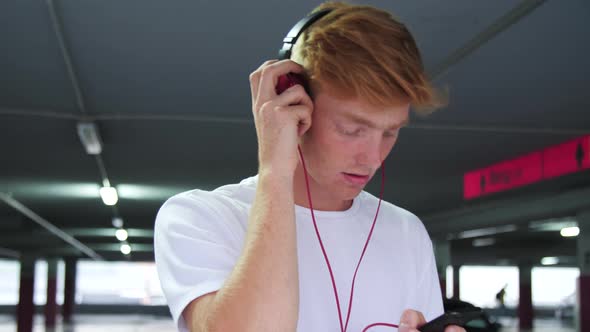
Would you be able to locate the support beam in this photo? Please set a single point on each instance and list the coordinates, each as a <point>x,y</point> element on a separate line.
<point>244,120</point>
<point>9,253</point>
<point>582,315</point>
<point>69,290</point>
<point>25,308</point>
<point>51,303</point>
<point>523,9</point>
<point>49,226</point>
<point>525,299</point>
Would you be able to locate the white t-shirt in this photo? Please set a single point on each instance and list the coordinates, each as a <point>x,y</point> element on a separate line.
<point>199,236</point>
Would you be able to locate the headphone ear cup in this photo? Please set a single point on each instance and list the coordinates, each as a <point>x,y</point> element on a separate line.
<point>289,80</point>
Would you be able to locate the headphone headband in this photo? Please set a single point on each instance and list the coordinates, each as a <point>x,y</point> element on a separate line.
<point>297,30</point>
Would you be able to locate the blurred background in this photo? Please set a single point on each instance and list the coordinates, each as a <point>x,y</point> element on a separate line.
<point>107,108</point>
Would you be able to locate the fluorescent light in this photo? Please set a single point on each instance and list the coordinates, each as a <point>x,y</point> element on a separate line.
<point>553,225</point>
<point>121,234</point>
<point>549,260</point>
<point>50,189</point>
<point>483,242</point>
<point>570,231</point>
<point>109,195</point>
<point>125,249</point>
<point>148,192</point>
<point>89,137</point>
<point>117,222</point>
<point>487,231</point>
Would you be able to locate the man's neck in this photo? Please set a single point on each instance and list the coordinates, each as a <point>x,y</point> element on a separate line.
<point>322,199</point>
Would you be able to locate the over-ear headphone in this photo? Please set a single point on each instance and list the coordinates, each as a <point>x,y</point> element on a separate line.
<point>297,30</point>
<point>289,41</point>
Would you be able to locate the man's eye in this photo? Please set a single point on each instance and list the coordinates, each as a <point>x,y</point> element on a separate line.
<point>390,133</point>
<point>354,132</point>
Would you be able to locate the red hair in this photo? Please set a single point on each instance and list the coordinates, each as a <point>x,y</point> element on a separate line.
<point>361,51</point>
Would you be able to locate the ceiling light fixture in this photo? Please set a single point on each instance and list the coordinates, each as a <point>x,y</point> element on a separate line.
<point>109,195</point>
<point>117,222</point>
<point>484,242</point>
<point>570,231</point>
<point>549,260</point>
<point>121,234</point>
<point>88,133</point>
<point>125,249</point>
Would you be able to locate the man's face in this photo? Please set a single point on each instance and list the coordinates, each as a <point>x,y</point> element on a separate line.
<point>348,140</point>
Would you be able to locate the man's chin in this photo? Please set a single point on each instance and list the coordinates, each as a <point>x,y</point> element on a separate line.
<point>351,192</point>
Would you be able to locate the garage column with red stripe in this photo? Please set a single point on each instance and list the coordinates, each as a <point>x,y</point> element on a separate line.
<point>69,290</point>
<point>51,304</point>
<point>582,315</point>
<point>456,282</point>
<point>25,308</point>
<point>525,299</point>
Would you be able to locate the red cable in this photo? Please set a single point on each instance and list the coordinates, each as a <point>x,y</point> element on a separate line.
<point>320,239</point>
<point>365,248</point>
<point>345,327</point>
<point>377,324</point>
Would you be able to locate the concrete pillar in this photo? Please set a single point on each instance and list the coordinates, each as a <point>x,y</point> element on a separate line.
<point>456,282</point>
<point>51,304</point>
<point>26,307</point>
<point>582,315</point>
<point>69,290</point>
<point>442,252</point>
<point>525,299</point>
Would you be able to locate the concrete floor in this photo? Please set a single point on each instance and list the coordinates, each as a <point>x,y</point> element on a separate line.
<point>99,323</point>
<point>541,325</point>
<point>142,323</point>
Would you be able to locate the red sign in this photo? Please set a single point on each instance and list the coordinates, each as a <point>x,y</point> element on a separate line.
<point>554,161</point>
<point>565,158</point>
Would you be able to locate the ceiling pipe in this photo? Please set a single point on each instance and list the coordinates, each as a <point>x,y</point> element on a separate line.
<point>49,226</point>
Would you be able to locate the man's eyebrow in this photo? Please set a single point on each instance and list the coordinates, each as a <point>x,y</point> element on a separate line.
<point>360,120</point>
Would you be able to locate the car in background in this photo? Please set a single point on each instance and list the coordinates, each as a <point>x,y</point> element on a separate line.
<point>565,309</point>
<point>481,324</point>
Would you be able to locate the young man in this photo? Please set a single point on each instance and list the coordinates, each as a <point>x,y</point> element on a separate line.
<point>246,257</point>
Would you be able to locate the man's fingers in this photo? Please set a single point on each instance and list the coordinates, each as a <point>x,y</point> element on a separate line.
<point>405,328</point>
<point>255,78</point>
<point>269,77</point>
<point>454,328</point>
<point>303,116</point>
<point>295,95</point>
<point>410,320</point>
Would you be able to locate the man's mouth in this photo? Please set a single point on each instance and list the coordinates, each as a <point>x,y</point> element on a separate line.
<point>356,179</point>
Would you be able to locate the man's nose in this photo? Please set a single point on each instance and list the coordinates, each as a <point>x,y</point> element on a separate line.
<point>371,154</point>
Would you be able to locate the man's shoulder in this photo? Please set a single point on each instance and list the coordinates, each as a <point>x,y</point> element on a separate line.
<point>196,203</point>
<point>243,191</point>
<point>388,209</point>
<point>236,191</point>
<point>395,215</point>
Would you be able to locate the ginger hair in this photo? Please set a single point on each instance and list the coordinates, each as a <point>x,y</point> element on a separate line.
<point>364,52</point>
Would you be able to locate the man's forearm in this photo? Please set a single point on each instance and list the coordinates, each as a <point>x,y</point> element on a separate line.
<point>262,292</point>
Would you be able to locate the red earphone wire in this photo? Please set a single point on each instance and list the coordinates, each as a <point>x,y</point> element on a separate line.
<point>379,324</point>
<point>366,245</point>
<point>344,327</point>
<point>320,240</point>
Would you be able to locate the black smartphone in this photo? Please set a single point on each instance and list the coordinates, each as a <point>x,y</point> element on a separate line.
<point>459,318</point>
